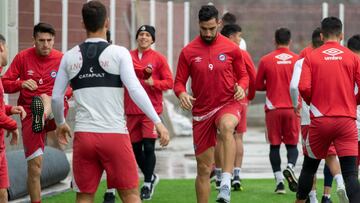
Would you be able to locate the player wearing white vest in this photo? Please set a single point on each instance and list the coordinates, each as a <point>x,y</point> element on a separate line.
<point>98,73</point>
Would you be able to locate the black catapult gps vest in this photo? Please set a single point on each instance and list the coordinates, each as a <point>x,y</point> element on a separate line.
<point>91,73</point>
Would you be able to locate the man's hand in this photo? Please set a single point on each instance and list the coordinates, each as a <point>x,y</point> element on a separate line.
<point>62,132</point>
<point>14,136</point>
<point>29,84</point>
<point>186,101</point>
<point>149,81</point>
<point>163,134</point>
<point>18,110</point>
<point>239,92</point>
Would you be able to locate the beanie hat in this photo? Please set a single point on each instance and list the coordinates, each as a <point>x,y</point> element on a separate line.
<point>148,28</point>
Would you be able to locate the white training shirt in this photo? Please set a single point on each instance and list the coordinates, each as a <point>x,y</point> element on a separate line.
<point>100,109</point>
<point>294,93</point>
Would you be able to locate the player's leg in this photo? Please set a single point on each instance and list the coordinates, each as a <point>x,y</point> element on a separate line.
<point>346,147</point>
<point>291,130</point>
<point>4,178</point>
<point>328,178</point>
<point>236,182</point>
<point>273,126</point>
<point>218,162</point>
<point>204,163</point>
<point>33,178</point>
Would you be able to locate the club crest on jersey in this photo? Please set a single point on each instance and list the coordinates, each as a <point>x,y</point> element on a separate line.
<point>222,57</point>
<point>284,58</point>
<point>53,74</point>
<point>332,54</point>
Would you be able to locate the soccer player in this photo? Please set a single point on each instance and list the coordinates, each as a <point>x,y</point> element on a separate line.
<point>228,19</point>
<point>331,160</point>
<point>8,124</point>
<point>98,73</point>
<point>233,32</point>
<point>219,78</point>
<point>354,45</point>
<point>282,123</point>
<point>154,74</point>
<point>333,113</point>
<point>33,72</point>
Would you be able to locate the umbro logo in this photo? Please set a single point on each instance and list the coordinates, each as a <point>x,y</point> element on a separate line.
<point>284,58</point>
<point>30,72</point>
<point>198,59</point>
<point>332,54</point>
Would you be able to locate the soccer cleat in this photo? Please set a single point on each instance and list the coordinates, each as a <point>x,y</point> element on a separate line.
<point>280,188</point>
<point>154,182</point>
<point>37,110</point>
<point>236,183</point>
<point>217,183</point>
<point>109,197</point>
<point>291,179</point>
<point>341,193</point>
<point>224,194</point>
<point>145,193</point>
<point>325,199</point>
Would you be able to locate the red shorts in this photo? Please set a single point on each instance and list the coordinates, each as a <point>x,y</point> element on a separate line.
<point>4,176</point>
<point>34,143</point>
<point>241,128</point>
<point>205,127</point>
<point>326,130</point>
<point>305,134</point>
<point>95,152</point>
<point>283,126</point>
<point>140,126</point>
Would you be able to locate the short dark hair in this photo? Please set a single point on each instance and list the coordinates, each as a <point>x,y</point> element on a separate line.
<point>94,15</point>
<point>208,12</point>
<point>316,39</point>
<point>228,18</point>
<point>230,29</point>
<point>354,43</point>
<point>2,39</point>
<point>331,26</point>
<point>282,36</point>
<point>44,28</point>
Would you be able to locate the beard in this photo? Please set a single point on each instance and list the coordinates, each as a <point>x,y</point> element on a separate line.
<point>207,40</point>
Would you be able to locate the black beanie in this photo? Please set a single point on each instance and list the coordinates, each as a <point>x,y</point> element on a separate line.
<point>148,28</point>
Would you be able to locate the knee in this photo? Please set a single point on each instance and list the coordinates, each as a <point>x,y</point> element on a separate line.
<point>227,127</point>
<point>203,170</point>
<point>129,196</point>
<point>34,170</point>
<point>3,195</point>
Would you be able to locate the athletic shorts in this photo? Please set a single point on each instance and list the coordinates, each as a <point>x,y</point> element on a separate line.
<point>139,127</point>
<point>283,126</point>
<point>4,176</point>
<point>305,133</point>
<point>326,130</point>
<point>205,127</point>
<point>95,152</point>
<point>241,128</point>
<point>34,143</point>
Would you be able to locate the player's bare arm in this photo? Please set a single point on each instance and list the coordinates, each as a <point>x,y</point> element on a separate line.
<point>63,132</point>
<point>239,92</point>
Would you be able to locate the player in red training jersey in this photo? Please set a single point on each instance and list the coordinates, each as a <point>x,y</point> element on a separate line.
<point>32,73</point>
<point>282,123</point>
<point>332,113</point>
<point>219,78</point>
